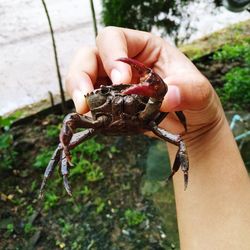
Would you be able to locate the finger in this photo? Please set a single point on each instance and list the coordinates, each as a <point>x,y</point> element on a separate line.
<point>82,76</point>
<point>114,43</point>
<point>192,92</point>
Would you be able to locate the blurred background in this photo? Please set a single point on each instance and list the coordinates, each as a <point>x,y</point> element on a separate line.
<point>118,202</point>
<point>27,67</point>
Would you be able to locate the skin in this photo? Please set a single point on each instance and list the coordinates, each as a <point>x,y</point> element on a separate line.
<point>213,213</point>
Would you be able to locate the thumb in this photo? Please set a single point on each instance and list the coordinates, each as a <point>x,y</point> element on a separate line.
<point>188,92</point>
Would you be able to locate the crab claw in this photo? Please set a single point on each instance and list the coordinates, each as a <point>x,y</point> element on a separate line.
<point>151,84</point>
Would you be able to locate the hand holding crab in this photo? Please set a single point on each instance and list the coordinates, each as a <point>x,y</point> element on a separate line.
<point>120,109</point>
<point>126,107</point>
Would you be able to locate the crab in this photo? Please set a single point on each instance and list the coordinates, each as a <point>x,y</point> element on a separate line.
<point>120,109</point>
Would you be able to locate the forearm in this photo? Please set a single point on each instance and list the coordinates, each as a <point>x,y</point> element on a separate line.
<point>213,213</point>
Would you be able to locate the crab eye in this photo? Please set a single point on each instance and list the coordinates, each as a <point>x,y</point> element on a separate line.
<point>105,90</point>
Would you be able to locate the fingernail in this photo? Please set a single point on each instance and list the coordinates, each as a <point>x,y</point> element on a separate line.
<point>173,97</point>
<point>116,76</point>
<point>79,101</point>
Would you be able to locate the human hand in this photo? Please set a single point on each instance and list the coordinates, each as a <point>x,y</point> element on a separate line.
<point>188,89</point>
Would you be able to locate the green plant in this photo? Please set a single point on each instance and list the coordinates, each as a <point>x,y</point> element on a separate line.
<point>30,210</point>
<point>94,173</point>
<point>33,185</point>
<point>66,227</point>
<point>10,228</point>
<point>100,205</point>
<point>6,122</point>
<point>85,157</point>
<point>134,217</point>
<point>79,167</point>
<point>167,16</point>
<point>233,52</point>
<point>7,152</point>
<point>114,150</point>
<point>42,159</point>
<point>53,131</point>
<point>85,191</point>
<point>235,93</point>
<point>91,149</point>
<point>28,228</point>
<point>50,200</point>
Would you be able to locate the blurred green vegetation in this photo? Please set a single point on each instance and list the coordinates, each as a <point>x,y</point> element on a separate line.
<point>167,16</point>
<point>235,92</point>
<point>134,217</point>
<point>7,151</point>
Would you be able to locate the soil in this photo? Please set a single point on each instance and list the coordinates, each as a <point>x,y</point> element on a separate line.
<point>86,221</point>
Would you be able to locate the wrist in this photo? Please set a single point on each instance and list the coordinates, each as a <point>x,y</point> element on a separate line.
<point>208,137</point>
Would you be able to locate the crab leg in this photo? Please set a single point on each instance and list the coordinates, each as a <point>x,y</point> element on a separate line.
<point>180,115</point>
<point>181,159</point>
<point>73,121</point>
<point>182,119</point>
<point>65,172</point>
<point>50,168</point>
<point>77,139</point>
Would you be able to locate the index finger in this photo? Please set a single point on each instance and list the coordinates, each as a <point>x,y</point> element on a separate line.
<point>114,43</point>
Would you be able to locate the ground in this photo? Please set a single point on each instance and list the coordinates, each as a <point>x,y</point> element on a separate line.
<point>120,199</point>
<point>112,205</point>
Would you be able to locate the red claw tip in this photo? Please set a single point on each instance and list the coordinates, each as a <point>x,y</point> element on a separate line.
<point>138,66</point>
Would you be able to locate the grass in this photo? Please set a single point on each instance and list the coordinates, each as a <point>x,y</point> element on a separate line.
<point>235,93</point>
<point>232,35</point>
<point>134,217</point>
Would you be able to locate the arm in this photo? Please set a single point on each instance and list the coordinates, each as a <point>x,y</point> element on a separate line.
<point>213,213</point>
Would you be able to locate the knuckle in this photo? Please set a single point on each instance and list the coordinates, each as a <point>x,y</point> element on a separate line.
<point>109,30</point>
<point>204,90</point>
<point>156,39</point>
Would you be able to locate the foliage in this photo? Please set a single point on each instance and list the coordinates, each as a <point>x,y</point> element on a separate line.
<point>5,122</point>
<point>134,217</point>
<point>88,219</point>
<point>235,93</point>
<point>53,131</point>
<point>100,205</point>
<point>42,159</point>
<point>233,52</point>
<point>85,158</point>
<point>7,152</point>
<point>94,173</point>
<point>10,228</point>
<point>50,200</point>
<point>233,34</point>
<point>142,15</point>
<point>28,228</point>
<point>168,16</point>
